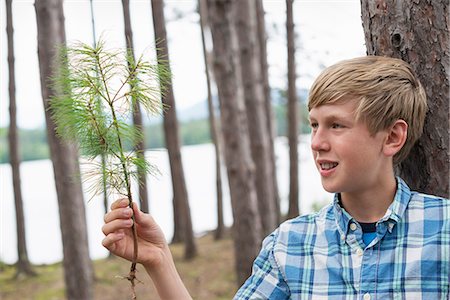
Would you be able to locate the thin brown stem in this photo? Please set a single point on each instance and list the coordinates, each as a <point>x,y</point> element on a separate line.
<point>132,274</point>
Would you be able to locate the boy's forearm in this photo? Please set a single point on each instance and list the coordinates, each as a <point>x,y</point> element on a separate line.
<point>167,280</point>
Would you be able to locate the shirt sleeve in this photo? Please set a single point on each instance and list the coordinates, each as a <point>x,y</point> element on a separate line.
<point>266,281</point>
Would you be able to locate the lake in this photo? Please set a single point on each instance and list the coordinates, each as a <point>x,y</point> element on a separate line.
<point>41,207</point>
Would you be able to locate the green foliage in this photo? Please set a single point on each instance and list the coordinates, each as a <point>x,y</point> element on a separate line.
<point>281,119</point>
<point>32,145</point>
<point>195,132</point>
<point>97,90</point>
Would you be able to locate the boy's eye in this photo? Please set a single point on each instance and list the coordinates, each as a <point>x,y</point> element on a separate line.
<point>314,125</point>
<point>336,126</point>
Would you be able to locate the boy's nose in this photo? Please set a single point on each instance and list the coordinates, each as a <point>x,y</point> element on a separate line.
<point>319,141</point>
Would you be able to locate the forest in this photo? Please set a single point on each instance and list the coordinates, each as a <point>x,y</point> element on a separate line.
<point>95,105</point>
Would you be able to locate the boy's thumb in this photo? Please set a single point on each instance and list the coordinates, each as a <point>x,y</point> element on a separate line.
<point>137,213</point>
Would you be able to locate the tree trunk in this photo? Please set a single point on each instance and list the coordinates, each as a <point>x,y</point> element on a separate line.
<point>292,115</point>
<point>203,12</point>
<point>180,195</point>
<point>246,27</point>
<point>418,33</point>
<point>23,264</point>
<point>78,271</point>
<point>262,40</point>
<point>137,114</point>
<point>240,167</point>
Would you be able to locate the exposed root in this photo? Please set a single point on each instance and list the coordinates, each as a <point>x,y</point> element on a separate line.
<point>132,274</point>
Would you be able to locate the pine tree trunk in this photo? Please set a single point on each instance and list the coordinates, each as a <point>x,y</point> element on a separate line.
<point>418,33</point>
<point>246,27</point>
<point>78,271</point>
<point>180,195</point>
<point>23,265</point>
<point>292,116</point>
<point>240,167</point>
<point>137,114</point>
<point>203,12</point>
<point>262,40</point>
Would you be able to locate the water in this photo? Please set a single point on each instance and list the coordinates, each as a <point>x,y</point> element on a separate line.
<point>41,208</point>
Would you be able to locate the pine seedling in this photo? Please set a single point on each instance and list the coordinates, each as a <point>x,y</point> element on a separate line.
<point>97,89</point>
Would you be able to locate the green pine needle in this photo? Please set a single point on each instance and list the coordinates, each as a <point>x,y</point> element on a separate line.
<point>97,90</point>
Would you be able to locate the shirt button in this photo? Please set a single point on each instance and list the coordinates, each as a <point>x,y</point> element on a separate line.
<point>360,252</point>
<point>366,296</point>
<point>353,226</point>
<point>343,237</point>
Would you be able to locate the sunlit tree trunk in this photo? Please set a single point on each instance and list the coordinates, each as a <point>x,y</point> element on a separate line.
<point>137,114</point>
<point>78,271</point>
<point>23,264</point>
<point>203,12</point>
<point>418,32</point>
<point>246,27</point>
<point>292,115</point>
<point>262,41</point>
<point>240,167</point>
<point>180,195</point>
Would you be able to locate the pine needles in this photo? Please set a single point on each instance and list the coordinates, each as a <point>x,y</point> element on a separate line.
<point>97,90</point>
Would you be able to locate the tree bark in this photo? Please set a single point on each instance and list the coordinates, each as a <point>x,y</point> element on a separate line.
<point>292,115</point>
<point>203,12</point>
<point>137,114</point>
<point>180,195</point>
<point>240,167</point>
<point>418,33</point>
<point>78,271</point>
<point>23,264</point>
<point>246,27</point>
<point>262,43</point>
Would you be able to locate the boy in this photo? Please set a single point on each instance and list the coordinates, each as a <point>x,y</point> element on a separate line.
<point>377,240</point>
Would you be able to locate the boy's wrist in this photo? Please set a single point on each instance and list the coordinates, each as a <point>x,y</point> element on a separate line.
<point>160,262</point>
<point>166,278</point>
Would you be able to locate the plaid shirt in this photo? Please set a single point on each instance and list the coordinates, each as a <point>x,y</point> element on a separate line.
<point>323,256</point>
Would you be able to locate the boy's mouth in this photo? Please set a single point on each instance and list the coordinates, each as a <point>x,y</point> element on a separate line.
<point>328,165</point>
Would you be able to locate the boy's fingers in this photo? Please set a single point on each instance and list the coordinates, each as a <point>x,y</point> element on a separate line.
<point>111,238</point>
<point>116,225</point>
<point>119,203</point>
<point>118,213</point>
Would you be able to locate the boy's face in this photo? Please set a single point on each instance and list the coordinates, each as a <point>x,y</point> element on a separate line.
<point>348,157</point>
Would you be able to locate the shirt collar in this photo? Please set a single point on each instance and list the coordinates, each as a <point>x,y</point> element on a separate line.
<point>393,214</point>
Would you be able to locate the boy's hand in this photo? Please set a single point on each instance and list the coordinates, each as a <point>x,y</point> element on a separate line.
<point>152,245</point>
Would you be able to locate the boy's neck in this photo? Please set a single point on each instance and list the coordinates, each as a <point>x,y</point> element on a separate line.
<point>370,205</point>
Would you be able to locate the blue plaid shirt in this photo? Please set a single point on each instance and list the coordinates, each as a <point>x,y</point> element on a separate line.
<point>323,256</point>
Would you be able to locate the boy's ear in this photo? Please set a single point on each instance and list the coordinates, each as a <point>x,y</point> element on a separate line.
<point>396,137</point>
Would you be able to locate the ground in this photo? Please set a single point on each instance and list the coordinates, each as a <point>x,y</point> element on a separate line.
<point>209,276</point>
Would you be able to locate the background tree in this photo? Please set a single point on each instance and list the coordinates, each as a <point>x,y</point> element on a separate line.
<point>23,264</point>
<point>246,28</point>
<point>418,32</point>
<point>182,215</point>
<point>137,114</point>
<point>240,167</point>
<point>292,114</point>
<point>214,131</point>
<point>78,271</point>
<point>262,44</point>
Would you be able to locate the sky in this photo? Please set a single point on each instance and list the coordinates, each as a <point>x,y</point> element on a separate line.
<point>327,31</point>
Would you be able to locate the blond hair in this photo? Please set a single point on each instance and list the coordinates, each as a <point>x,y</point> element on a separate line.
<point>387,90</point>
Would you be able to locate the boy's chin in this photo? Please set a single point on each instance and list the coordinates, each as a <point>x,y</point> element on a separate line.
<point>329,187</point>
